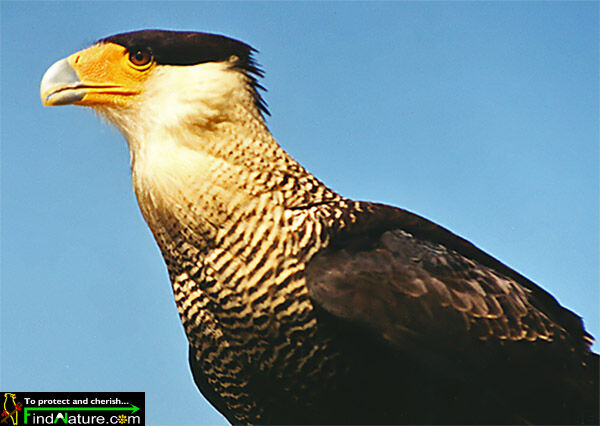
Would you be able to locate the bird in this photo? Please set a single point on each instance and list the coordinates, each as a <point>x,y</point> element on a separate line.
<point>11,409</point>
<point>302,306</point>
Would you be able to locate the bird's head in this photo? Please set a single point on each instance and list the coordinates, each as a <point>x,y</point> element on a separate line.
<point>188,104</point>
<point>142,77</point>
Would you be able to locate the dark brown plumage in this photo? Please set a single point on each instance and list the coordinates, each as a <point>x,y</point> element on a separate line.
<point>502,349</point>
<point>302,306</point>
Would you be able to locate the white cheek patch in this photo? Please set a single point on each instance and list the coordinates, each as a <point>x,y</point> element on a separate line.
<point>172,123</point>
<point>179,104</point>
<point>201,94</point>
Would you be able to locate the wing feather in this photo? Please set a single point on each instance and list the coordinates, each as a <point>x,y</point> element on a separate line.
<point>439,300</point>
<point>388,284</point>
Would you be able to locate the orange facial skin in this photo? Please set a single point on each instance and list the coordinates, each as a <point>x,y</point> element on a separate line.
<point>106,73</point>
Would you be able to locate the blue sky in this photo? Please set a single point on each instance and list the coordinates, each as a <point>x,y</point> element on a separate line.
<point>480,116</point>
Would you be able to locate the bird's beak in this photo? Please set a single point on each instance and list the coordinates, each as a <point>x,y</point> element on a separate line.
<point>61,85</point>
<point>98,75</point>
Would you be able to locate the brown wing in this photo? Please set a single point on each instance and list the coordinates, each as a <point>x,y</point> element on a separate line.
<point>429,293</point>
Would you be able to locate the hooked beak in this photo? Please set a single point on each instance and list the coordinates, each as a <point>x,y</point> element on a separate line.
<point>61,85</point>
<point>98,76</point>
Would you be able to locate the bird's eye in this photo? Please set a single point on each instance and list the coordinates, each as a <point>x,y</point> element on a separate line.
<point>140,57</point>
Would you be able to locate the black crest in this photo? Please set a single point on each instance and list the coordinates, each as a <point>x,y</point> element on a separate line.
<point>191,48</point>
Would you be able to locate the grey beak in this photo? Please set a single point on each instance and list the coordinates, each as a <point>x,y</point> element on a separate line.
<point>60,85</point>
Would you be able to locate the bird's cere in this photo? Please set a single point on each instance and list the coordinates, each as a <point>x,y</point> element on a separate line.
<point>301,306</point>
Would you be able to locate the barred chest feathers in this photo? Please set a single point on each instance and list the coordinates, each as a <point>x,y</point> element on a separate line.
<point>234,251</point>
<point>236,219</point>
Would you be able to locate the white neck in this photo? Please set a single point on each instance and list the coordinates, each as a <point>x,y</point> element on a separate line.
<point>203,153</point>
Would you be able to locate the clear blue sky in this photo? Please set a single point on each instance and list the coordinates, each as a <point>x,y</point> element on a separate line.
<point>480,116</point>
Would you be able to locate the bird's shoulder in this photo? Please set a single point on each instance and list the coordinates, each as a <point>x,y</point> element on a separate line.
<point>403,277</point>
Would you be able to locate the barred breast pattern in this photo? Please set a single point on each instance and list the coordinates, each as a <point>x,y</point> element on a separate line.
<point>245,307</point>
